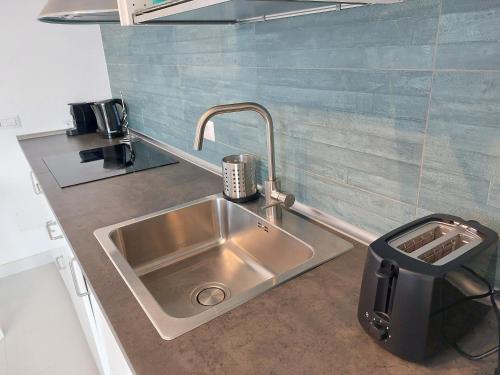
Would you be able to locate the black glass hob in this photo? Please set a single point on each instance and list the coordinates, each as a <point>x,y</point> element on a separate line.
<point>79,167</point>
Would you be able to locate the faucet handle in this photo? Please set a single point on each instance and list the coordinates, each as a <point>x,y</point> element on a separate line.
<point>286,199</point>
<point>280,198</point>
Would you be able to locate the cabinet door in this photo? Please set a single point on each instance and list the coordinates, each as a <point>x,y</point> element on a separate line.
<point>75,283</point>
<point>80,295</point>
<point>115,362</point>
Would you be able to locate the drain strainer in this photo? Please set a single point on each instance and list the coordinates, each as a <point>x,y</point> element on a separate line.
<point>211,296</point>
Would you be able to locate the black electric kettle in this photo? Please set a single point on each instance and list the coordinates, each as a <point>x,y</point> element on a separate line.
<point>109,115</point>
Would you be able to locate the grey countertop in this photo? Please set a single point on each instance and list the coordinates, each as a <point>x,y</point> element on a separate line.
<point>305,326</point>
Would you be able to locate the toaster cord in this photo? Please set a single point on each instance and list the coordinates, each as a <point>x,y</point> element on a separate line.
<point>497,313</point>
<point>460,301</point>
<point>491,294</point>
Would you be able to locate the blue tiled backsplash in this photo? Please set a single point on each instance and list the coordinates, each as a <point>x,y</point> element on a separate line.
<point>382,113</point>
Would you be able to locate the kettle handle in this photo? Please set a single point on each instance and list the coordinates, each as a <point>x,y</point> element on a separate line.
<point>98,116</point>
<point>123,107</point>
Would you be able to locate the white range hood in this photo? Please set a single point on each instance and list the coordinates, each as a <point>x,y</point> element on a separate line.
<point>80,11</point>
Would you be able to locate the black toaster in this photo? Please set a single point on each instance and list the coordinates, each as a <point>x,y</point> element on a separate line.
<point>418,280</point>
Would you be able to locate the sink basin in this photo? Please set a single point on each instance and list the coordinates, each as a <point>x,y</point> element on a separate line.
<point>191,263</point>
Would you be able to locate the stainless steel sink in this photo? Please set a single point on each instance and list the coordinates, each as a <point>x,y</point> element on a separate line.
<point>191,263</point>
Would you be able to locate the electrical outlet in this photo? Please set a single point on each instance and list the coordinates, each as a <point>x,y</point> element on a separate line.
<point>10,122</point>
<point>209,132</point>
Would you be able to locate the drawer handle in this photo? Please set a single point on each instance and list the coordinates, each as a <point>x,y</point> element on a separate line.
<point>60,263</point>
<point>49,225</point>
<point>34,183</point>
<point>75,281</point>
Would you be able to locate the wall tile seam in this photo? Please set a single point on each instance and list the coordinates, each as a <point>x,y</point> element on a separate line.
<point>263,67</point>
<point>141,116</point>
<point>378,70</point>
<point>322,91</point>
<point>429,103</point>
<point>490,191</point>
<point>258,49</point>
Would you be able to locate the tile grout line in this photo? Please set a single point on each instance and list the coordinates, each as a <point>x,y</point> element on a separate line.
<point>424,143</point>
<point>490,188</point>
<point>379,69</point>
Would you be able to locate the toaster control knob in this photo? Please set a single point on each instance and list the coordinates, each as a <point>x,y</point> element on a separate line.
<point>379,331</point>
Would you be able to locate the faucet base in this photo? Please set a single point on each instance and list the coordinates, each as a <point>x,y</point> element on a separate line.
<point>273,207</point>
<point>242,200</point>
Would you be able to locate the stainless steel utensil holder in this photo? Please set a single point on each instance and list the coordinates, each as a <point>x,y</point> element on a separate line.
<point>239,175</point>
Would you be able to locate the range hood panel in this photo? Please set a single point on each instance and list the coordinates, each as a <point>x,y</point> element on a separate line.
<point>230,11</point>
<point>234,11</point>
<point>80,11</point>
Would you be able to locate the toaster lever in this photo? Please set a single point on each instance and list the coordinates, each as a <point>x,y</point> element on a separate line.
<point>387,275</point>
<point>387,270</point>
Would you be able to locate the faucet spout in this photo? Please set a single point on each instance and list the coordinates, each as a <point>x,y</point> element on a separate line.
<point>240,107</point>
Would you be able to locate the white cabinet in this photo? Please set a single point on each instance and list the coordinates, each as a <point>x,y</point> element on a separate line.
<point>105,349</point>
<point>80,297</point>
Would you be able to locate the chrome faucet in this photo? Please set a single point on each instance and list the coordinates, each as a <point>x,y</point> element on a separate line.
<point>274,198</point>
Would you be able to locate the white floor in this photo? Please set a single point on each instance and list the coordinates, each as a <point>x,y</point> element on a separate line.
<point>42,332</point>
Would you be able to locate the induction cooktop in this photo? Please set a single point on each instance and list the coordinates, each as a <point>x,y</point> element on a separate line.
<point>74,168</point>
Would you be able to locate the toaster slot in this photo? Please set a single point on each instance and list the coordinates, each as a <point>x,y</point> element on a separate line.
<point>445,248</point>
<point>420,237</point>
<point>436,242</point>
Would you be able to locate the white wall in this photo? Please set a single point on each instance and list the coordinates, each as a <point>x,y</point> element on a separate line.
<point>42,68</point>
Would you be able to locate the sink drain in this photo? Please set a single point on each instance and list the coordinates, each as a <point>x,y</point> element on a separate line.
<point>211,296</point>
